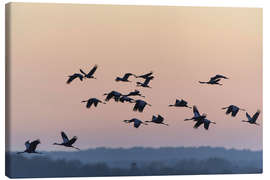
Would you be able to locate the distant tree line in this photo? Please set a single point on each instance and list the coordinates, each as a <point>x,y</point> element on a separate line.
<point>18,166</point>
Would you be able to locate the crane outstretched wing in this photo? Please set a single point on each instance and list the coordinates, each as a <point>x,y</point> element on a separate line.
<point>33,145</point>
<point>146,75</point>
<point>109,96</point>
<point>89,104</point>
<point>183,101</point>
<point>147,80</point>
<point>27,144</point>
<point>73,140</point>
<point>248,116</point>
<point>198,123</point>
<point>136,106</point>
<point>96,103</point>
<point>64,137</point>
<point>93,70</point>
<point>229,110</point>
<point>122,99</point>
<point>256,115</point>
<point>82,71</point>
<point>71,78</point>
<point>160,119</point>
<point>116,98</point>
<point>215,80</point>
<point>218,76</point>
<point>137,123</point>
<point>221,76</point>
<point>195,111</point>
<point>235,111</point>
<point>206,124</point>
<point>74,76</point>
<point>141,107</point>
<point>126,76</point>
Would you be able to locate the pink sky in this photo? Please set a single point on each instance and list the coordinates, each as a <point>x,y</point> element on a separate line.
<point>182,45</point>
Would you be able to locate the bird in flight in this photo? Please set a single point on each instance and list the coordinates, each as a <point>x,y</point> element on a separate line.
<point>145,76</point>
<point>74,76</point>
<point>136,122</point>
<point>219,76</point>
<point>113,94</point>
<point>126,99</point>
<point>91,73</point>
<point>140,105</point>
<point>233,110</point>
<point>125,77</point>
<point>197,116</point>
<point>179,103</point>
<point>253,119</point>
<point>31,147</point>
<point>205,122</point>
<point>91,101</point>
<point>146,82</point>
<point>135,93</point>
<point>158,120</point>
<point>214,80</point>
<point>66,141</point>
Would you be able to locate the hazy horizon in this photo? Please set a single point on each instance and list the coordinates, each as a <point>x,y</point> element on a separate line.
<point>181,45</point>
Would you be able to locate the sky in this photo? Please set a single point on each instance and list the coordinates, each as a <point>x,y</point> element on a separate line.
<point>181,45</point>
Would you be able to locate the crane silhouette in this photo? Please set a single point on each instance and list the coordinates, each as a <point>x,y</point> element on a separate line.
<point>66,141</point>
<point>214,80</point>
<point>179,103</point>
<point>253,119</point>
<point>219,76</point>
<point>74,76</point>
<point>205,122</point>
<point>91,101</point>
<point>158,120</point>
<point>145,76</point>
<point>135,93</point>
<point>140,105</point>
<point>126,99</point>
<point>136,122</point>
<point>146,82</point>
<point>125,77</point>
<point>31,147</point>
<point>91,73</point>
<point>113,94</point>
<point>233,110</point>
<point>197,116</point>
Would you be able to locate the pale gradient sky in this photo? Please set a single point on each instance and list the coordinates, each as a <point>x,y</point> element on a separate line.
<point>180,44</point>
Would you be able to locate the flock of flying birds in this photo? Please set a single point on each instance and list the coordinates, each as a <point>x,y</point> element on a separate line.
<point>139,105</point>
